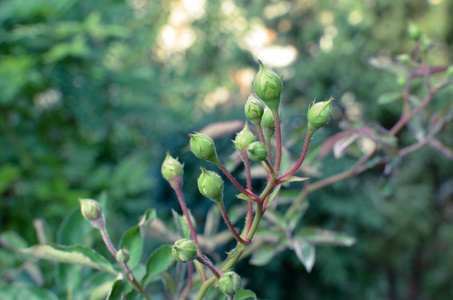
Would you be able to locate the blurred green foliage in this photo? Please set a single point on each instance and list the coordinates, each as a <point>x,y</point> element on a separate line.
<point>91,98</point>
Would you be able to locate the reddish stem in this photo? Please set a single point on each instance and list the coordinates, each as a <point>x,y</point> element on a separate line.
<point>301,158</point>
<point>176,184</point>
<point>229,225</point>
<point>234,181</point>
<point>208,264</point>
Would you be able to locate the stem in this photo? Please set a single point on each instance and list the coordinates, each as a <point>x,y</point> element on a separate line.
<point>204,287</point>
<point>229,225</point>
<point>405,118</point>
<point>208,264</point>
<point>234,181</point>
<point>301,158</point>
<point>278,137</point>
<point>124,266</point>
<point>176,184</point>
<point>270,171</point>
<point>246,161</point>
<point>240,248</point>
<point>260,132</point>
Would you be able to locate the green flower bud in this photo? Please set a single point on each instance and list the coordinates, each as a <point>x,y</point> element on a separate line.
<point>123,255</point>
<point>210,185</point>
<point>257,151</point>
<point>401,80</point>
<point>171,168</point>
<point>450,71</point>
<point>253,109</point>
<point>413,31</point>
<point>184,250</point>
<point>244,138</point>
<point>267,121</point>
<point>92,212</point>
<point>426,42</point>
<point>268,87</point>
<point>203,147</point>
<point>319,114</point>
<point>229,283</point>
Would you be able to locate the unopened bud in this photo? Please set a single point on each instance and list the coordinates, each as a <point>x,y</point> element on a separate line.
<point>413,31</point>
<point>268,87</point>
<point>267,122</point>
<point>244,138</point>
<point>203,147</point>
<point>210,185</point>
<point>92,211</point>
<point>253,110</point>
<point>229,283</point>
<point>171,168</point>
<point>426,42</point>
<point>123,255</point>
<point>401,80</point>
<point>257,151</point>
<point>184,250</point>
<point>319,114</point>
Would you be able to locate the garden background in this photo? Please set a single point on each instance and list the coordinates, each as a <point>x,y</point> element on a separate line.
<point>93,93</point>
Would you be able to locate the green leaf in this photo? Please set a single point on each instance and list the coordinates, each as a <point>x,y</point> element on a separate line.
<point>118,288</point>
<point>297,216</point>
<point>320,236</point>
<point>306,253</point>
<point>74,230</point>
<point>147,218</point>
<point>277,218</point>
<point>76,48</point>
<point>8,174</point>
<point>294,179</point>
<point>182,224</point>
<point>97,285</point>
<point>170,284</point>
<point>244,197</point>
<point>12,240</point>
<point>77,255</point>
<point>389,97</point>
<point>212,221</point>
<point>389,65</point>
<point>159,261</point>
<point>69,277</point>
<point>133,241</point>
<point>263,255</point>
<point>244,295</point>
<point>25,291</point>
